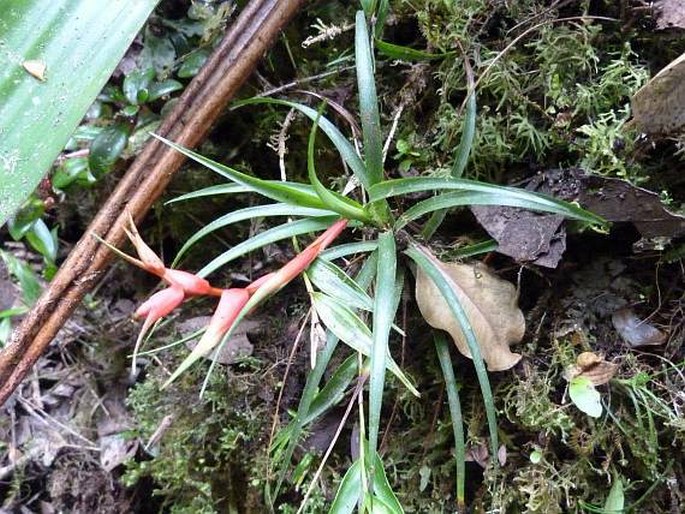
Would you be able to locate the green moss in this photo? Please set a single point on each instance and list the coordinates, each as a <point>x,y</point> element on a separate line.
<point>211,456</point>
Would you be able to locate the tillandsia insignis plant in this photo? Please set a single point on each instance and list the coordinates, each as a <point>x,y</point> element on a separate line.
<point>341,302</point>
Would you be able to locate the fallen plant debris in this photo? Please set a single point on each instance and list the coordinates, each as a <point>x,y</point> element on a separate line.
<point>593,367</point>
<point>490,304</point>
<point>635,331</point>
<point>523,235</point>
<point>540,238</point>
<point>658,105</point>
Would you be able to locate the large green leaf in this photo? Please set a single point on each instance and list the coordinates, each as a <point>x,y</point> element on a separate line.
<point>79,43</point>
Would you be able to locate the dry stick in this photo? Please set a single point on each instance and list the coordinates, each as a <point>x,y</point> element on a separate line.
<point>200,105</point>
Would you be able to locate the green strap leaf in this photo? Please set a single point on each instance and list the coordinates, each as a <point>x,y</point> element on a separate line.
<point>279,191</point>
<point>368,102</point>
<point>333,281</point>
<point>344,147</point>
<point>344,250</point>
<point>219,189</point>
<point>461,198</point>
<point>442,349</point>
<point>349,491</point>
<point>526,199</point>
<point>383,315</point>
<point>336,202</point>
<point>258,211</point>
<point>347,326</point>
<point>56,57</point>
<point>364,278</point>
<point>285,231</point>
<point>429,264</point>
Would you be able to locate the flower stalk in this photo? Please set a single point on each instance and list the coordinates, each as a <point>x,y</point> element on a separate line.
<point>234,303</point>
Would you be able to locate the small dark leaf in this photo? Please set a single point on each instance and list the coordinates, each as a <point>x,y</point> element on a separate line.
<point>72,171</point>
<point>106,149</point>
<point>43,240</point>
<point>159,53</point>
<point>136,85</point>
<point>160,89</point>
<point>22,222</point>
<point>192,64</point>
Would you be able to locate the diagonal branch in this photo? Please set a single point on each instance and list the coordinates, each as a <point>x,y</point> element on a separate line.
<point>187,124</point>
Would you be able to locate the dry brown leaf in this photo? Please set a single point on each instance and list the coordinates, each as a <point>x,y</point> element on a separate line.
<point>490,304</point>
<point>635,331</point>
<point>592,366</point>
<point>658,105</point>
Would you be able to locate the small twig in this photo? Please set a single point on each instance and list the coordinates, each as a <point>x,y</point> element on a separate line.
<point>159,432</point>
<point>44,417</point>
<point>291,358</point>
<point>296,83</point>
<point>393,128</point>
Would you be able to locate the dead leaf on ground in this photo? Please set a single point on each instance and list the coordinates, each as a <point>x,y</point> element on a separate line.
<point>593,367</point>
<point>634,331</point>
<point>236,348</point>
<point>523,235</point>
<point>658,105</point>
<point>490,304</point>
<point>479,454</point>
<point>541,239</point>
<point>670,14</point>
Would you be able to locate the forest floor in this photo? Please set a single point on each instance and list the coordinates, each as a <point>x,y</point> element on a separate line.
<point>558,112</point>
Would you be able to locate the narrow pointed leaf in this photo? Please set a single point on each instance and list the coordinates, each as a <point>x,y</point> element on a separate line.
<point>527,199</point>
<point>382,489</point>
<point>333,392</point>
<point>346,325</point>
<point>383,316</point>
<point>364,278</point>
<point>368,102</point>
<point>344,147</point>
<point>442,349</point>
<point>349,491</point>
<point>343,250</point>
<point>333,281</point>
<point>336,202</point>
<point>258,211</point>
<point>461,198</point>
<point>219,189</point>
<point>615,502</point>
<point>279,191</point>
<point>285,231</point>
<point>462,154</point>
<point>430,265</point>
